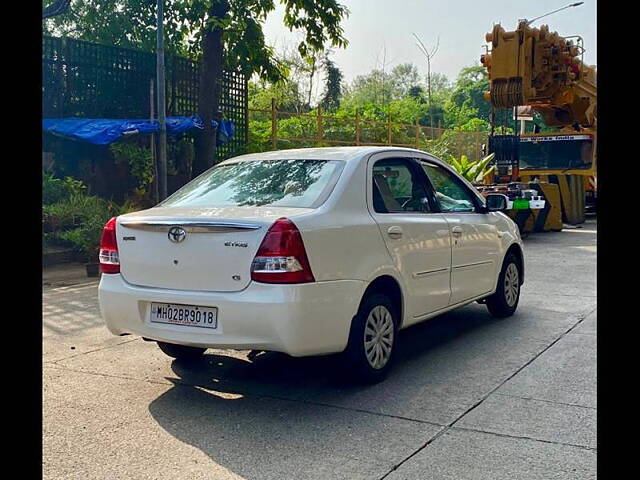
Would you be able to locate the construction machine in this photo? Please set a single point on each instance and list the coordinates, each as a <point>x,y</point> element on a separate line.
<point>544,72</point>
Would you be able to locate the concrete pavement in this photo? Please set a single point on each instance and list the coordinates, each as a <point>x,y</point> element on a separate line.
<point>471,397</point>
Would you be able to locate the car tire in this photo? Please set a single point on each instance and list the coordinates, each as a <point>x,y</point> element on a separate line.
<point>370,352</point>
<point>504,301</point>
<point>181,352</point>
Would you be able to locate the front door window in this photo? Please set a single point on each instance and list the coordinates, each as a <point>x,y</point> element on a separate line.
<point>451,194</point>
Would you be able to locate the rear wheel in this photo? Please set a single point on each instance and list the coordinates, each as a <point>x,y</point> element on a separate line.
<point>181,352</point>
<point>504,301</point>
<point>370,352</point>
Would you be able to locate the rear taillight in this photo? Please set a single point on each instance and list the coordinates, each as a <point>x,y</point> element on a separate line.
<point>109,260</point>
<point>282,257</point>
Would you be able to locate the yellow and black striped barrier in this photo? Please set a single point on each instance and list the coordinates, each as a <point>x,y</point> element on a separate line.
<point>571,197</point>
<point>545,219</point>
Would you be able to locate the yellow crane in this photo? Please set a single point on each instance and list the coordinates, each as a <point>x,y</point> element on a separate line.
<point>541,70</point>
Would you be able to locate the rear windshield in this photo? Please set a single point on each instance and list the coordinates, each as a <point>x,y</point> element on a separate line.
<point>282,183</point>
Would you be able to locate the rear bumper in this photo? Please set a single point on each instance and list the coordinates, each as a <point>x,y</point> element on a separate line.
<point>302,319</point>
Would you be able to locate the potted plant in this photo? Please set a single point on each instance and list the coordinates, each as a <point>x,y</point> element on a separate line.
<point>93,269</point>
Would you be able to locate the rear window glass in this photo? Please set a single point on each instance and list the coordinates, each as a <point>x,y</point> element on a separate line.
<point>283,183</point>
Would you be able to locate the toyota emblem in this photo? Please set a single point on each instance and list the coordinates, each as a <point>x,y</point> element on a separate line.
<point>177,234</point>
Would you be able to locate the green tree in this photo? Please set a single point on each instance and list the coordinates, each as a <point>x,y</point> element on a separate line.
<point>417,92</point>
<point>286,93</point>
<point>440,93</point>
<point>380,87</point>
<point>237,25</point>
<point>403,77</point>
<point>440,84</point>
<point>333,85</point>
<point>466,100</point>
<point>123,23</point>
<point>368,89</point>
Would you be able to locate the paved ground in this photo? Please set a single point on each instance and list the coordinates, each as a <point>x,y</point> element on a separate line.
<point>471,397</point>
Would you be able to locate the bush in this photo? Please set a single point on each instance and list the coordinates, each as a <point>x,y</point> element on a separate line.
<point>59,216</point>
<point>86,239</point>
<point>77,222</point>
<point>55,190</point>
<point>138,159</point>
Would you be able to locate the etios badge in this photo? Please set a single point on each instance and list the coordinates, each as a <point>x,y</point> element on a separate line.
<point>177,234</point>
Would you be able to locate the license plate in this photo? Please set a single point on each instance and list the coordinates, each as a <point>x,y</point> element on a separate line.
<point>186,315</point>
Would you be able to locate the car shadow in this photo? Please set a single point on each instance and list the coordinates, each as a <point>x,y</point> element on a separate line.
<point>275,416</point>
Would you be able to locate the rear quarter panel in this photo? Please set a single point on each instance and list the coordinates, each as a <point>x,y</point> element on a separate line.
<point>342,240</point>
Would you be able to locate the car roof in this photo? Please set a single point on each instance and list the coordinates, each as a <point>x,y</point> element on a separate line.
<point>322,153</point>
<point>341,153</point>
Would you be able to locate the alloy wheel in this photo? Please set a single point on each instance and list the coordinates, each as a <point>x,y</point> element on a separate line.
<point>378,337</point>
<point>511,284</point>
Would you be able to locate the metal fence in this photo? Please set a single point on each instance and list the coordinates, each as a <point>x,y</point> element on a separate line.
<point>84,79</point>
<point>273,129</point>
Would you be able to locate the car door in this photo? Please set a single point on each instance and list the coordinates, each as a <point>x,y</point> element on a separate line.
<point>476,242</point>
<point>417,237</point>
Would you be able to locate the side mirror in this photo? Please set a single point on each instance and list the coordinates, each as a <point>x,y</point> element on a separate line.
<point>497,202</point>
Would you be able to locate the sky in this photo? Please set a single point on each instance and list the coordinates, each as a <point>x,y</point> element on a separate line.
<point>382,29</point>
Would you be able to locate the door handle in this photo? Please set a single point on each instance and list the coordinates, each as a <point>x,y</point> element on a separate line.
<point>394,232</point>
<point>457,231</point>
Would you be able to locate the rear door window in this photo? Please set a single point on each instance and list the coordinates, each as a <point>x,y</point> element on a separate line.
<point>397,188</point>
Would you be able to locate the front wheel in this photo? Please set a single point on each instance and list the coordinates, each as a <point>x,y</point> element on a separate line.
<point>370,351</point>
<point>504,301</point>
<point>181,352</point>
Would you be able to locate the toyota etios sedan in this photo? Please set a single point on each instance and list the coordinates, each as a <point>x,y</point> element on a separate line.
<point>308,252</point>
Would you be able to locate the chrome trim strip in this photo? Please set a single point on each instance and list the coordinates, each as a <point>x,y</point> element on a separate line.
<point>192,226</point>
<point>429,272</point>
<point>471,265</point>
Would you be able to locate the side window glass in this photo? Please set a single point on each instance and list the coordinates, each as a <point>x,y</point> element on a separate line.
<point>397,189</point>
<point>453,197</point>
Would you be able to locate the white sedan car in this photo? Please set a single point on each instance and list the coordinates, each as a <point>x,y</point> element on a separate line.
<point>309,252</point>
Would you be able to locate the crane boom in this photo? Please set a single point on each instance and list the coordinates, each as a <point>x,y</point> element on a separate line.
<point>539,68</point>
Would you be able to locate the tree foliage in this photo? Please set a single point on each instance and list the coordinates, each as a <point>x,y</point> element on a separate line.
<point>381,87</point>
<point>333,85</point>
<point>125,23</point>
<point>131,24</point>
<point>466,99</point>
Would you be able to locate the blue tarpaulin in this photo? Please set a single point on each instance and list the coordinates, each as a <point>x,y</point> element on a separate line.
<point>225,131</point>
<point>103,131</point>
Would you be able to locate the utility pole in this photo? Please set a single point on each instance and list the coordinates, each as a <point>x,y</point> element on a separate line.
<point>162,119</point>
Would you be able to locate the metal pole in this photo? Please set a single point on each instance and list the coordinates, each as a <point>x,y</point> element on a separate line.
<point>152,146</point>
<point>319,131</point>
<point>162,143</point>
<point>274,125</point>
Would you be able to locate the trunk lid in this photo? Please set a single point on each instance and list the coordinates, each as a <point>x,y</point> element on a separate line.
<point>213,250</point>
